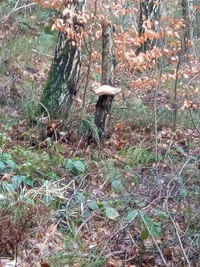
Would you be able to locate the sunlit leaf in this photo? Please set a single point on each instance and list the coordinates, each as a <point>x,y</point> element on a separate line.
<point>112,213</point>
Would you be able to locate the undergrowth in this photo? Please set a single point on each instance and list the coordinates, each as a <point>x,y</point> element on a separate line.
<point>67,199</point>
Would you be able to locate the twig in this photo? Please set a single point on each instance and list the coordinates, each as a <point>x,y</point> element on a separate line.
<point>176,229</point>
<point>84,223</point>
<point>179,239</point>
<point>175,93</point>
<point>77,147</point>
<point>184,165</point>
<point>18,8</point>
<point>46,55</point>
<point>150,204</point>
<point>16,4</point>
<point>48,115</point>
<point>155,112</point>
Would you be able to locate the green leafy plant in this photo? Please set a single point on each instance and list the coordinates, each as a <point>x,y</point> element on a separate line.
<point>88,126</point>
<point>151,227</point>
<point>7,163</point>
<point>16,182</point>
<point>3,139</point>
<point>45,163</point>
<point>76,166</point>
<point>139,155</point>
<point>141,115</point>
<point>114,175</point>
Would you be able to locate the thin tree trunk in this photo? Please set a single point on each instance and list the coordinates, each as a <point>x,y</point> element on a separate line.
<point>149,10</point>
<point>104,102</point>
<point>62,83</point>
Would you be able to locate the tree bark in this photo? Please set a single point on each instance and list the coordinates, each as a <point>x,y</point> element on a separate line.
<point>104,102</point>
<point>149,10</point>
<point>188,12</point>
<point>64,74</point>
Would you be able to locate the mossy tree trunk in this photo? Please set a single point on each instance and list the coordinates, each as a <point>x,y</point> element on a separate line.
<point>104,102</point>
<point>149,10</point>
<point>64,74</point>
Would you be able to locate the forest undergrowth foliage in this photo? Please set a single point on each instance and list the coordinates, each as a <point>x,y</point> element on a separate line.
<point>66,197</point>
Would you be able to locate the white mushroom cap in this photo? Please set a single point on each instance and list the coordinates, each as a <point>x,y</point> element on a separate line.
<point>106,90</point>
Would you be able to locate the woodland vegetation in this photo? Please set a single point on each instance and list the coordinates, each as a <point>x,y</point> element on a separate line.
<point>99,133</point>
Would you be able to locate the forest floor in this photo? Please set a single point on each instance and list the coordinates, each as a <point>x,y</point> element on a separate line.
<point>66,199</point>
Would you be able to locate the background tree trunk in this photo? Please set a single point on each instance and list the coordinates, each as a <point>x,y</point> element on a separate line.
<point>149,10</point>
<point>104,102</point>
<point>62,83</point>
<point>189,15</point>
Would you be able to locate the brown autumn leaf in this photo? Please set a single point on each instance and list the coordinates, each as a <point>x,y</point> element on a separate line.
<point>120,126</point>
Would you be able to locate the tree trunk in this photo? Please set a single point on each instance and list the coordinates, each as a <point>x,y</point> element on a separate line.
<point>104,102</point>
<point>62,83</point>
<point>149,10</point>
<point>188,11</point>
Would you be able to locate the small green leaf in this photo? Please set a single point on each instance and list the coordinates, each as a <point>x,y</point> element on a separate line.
<point>69,165</point>
<point>17,181</point>
<point>86,214</point>
<point>7,156</point>
<point>80,197</point>
<point>153,226</point>
<point>144,234</point>
<point>100,205</point>
<point>180,150</point>
<point>2,166</point>
<point>11,164</point>
<point>93,205</point>
<point>117,185</point>
<point>8,187</point>
<point>28,181</point>
<point>156,229</point>
<point>132,215</point>
<point>79,166</point>
<point>112,213</point>
<point>75,166</point>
